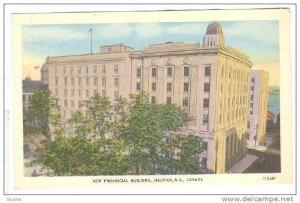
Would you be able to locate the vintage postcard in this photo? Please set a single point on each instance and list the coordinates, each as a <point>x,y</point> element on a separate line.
<point>125,101</point>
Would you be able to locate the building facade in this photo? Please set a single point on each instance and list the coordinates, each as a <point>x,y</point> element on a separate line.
<point>258,107</point>
<point>28,88</point>
<point>209,80</point>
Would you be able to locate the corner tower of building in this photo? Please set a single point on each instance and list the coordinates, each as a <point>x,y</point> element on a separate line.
<point>214,35</point>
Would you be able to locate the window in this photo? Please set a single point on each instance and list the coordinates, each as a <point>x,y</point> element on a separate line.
<point>87,81</point>
<point>95,93</point>
<point>56,91</point>
<point>116,69</point>
<point>72,81</point>
<point>251,112</point>
<point>78,69</point>
<point>251,97</point>
<point>167,154</point>
<point>56,81</point>
<point>185,102</point>
<point>204,145</point>
<point>138,72</point>
<point>65,103</point>
<point>153,87</point>
<point>206,103</point>
<point>186,71</point>
<point>153,100</point>
<point>87,93</point>
<point>65,92</point>
<point>206,87</point>
<point>65,70</point>
<point>79,81</point>
<point>95,69</point>
<point>251,105</point>
<point>223,71</point>
<point>71,70</point>
<point>138,86</point>
<point>103,82</point>
<point>95,81</point>
<point>72,92</point>
<point>154,72</point>
<point>205,119</point>
<point>24,98</point>
<point>116,94</point>
<point>252,80</point>
<point>169,100</point>
<point>207,70</point>
<point>252,88</point>
<point>169,87</point>
<point>186,87</point>
<point>55,70</point>
<point>72,103</point>
<point>79,92</point>
<point>204,163</point>
<point>116,82</point>
<point>103,69</point>
<point>103,93</point>
<point>86,70</point>
<point>169,71</point>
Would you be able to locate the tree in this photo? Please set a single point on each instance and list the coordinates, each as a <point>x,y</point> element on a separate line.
<point>97,120</point>
<point>146,129</point>
<point>79,155</point>
<point>42,112</point>
<point>136,144</point>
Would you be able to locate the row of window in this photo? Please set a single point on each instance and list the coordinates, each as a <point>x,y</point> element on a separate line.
<point>234,74</point>
<point>185,101</point>
<point>87,81</point>
<point>186,71</point>
<point>116,96</point>
<point>79,69</point>
<point>237,114</point>
<point>169,86</point>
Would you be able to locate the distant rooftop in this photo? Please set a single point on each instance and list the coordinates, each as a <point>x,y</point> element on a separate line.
<point>29,85</point>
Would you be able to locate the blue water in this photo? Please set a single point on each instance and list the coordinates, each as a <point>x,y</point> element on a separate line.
<point>274,103</point>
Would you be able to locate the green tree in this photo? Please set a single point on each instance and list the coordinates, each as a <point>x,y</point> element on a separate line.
<point>79,155</point>
<point>136,144</point>
<point>97,120</point>
<point>42,112</point>
<point>147,125</point>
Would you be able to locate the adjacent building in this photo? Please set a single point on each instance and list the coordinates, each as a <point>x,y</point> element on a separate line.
<point>29,87</point>
<point>209,80</point>
<point>259,88</point>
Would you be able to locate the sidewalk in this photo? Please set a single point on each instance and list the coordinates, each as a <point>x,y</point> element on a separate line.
<point>243,164</point>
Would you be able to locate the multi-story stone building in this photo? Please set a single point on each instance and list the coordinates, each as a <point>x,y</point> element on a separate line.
<point>258,107</point>
<point>209,80</point>
<point>29,87</point>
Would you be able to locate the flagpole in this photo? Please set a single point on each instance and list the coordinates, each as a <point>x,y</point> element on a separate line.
<point>91,41</point>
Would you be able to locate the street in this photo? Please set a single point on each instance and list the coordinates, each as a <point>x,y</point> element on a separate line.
<point>268,161</point>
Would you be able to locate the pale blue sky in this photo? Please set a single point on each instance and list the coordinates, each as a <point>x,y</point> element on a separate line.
<point>257,39</point>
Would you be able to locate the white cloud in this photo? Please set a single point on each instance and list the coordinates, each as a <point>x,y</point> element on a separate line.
<point>188,29</point>
<point>31,34</point>
<point>262,31</point>
<point>149,30</point>
<point>114,31</point>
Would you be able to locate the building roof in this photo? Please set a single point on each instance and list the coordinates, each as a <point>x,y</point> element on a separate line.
<point>29,85</point>
<point>214,28</point>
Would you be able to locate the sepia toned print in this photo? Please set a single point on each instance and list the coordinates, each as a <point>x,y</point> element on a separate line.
<point>155,99</point>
